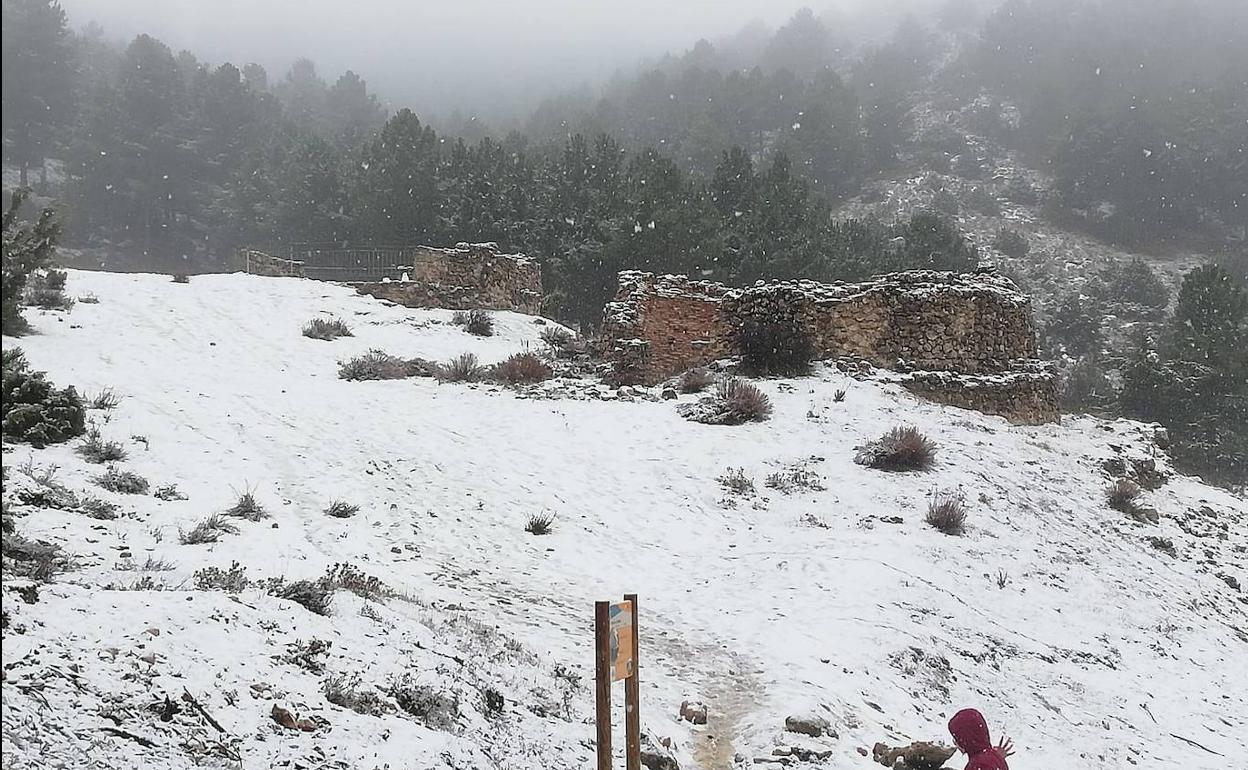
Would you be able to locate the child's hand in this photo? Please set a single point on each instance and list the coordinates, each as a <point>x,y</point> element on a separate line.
<point>1004,748</point>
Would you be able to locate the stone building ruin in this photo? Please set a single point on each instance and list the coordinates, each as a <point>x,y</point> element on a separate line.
<point>466,277</point>
<point>966,340</point>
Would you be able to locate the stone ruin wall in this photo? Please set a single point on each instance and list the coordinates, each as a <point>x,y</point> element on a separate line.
<point>966,340</point>
<point>259,263</point>
<point>467,277</point>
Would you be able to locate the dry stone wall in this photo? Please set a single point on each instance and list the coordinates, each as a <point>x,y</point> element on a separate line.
<point>975,330</point>
<point>466,277</point>
<point>259,263</point>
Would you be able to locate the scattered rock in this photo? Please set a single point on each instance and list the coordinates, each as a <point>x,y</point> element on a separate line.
<point>1115,466</point>
<point>810,724</point>
<point>657,756</point>
<point>1161,437</point>
<point>669,394</point>
<point>693,711</point>
<point>288,720</point>
<point>802,753</point>
<point>920,755</point>
<point>283,717</point>
<point>1146,514</point>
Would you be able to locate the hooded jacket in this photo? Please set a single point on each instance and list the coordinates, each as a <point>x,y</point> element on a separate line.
<point>970,734</point>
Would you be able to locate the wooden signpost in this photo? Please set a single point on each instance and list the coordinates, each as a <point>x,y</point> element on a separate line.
<point>615,647</point>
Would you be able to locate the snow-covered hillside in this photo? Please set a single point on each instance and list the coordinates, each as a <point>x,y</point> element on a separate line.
<point>1095,641</point>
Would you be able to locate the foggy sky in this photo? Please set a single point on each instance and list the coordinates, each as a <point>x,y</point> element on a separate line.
<point>479,56</point>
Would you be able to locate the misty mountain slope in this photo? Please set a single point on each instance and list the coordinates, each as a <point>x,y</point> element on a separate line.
<point>987,188</point>
<point>1094,640</point>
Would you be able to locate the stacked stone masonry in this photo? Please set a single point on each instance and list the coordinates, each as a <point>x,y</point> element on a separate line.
<point>963,339</point>
<point>466,277</point>
<point>259,263</point>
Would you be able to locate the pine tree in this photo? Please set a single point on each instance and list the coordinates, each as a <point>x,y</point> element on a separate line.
<point>37,69</point>
<point>28,246</point>
<point>1211,320</point>
<point>395,191</point>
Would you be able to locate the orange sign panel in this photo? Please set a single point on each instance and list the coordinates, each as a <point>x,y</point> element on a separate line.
<point>623,656</point>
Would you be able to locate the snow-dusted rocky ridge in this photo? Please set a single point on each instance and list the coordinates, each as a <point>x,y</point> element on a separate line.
<point>1058,617</point>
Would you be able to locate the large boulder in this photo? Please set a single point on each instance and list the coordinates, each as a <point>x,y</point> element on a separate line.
<point>920,755</point>
<point>810,723</point>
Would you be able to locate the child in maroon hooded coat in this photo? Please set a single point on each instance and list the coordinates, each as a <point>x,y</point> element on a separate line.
<point>970,734</point>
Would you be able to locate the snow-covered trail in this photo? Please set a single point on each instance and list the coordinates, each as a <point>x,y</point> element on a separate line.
<point>743,607</point>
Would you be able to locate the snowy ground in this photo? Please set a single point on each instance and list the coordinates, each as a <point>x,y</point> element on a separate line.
<point>1055,615</point>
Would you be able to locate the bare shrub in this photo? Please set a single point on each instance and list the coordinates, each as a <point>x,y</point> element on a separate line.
<point>105,399</point>
<point>947,513</point>
<point>811,520</point>
<point>35,559</point>
<point>123,482</point>
<point>97,508</point>
<point>342,509</point>
<point>839,395</point>
<point>695,380</point>
<point>232,580</point>
<point>522,369</point>
<point>477,322</point>
<point>798,477</point>
<point>344,690</point>
<point>492,702</point>
<point>438,710</point>
<point>313,595</point>
<point>150,564</point>
<point>901,449</point>
<point>569,683</point>
<point>556,336</point>
<point>540,524</point>
<point>94,449</point>
<point>462,368</point>
<point>247,508</point>
<point>1123,495</point>
<point>736,482</point>
<point>743,400</point>
<point>48,299</point>
<point>734,401</point>
<point>144,583</point>
<point>168,492</point>
<point>49,493</point>
<point>181,278</point>
<point>157,565</point>
<point>380,365</point>
<point>209,530</point>
<point>307,655</point>
<point>326,329</point>
<point>355,580</point>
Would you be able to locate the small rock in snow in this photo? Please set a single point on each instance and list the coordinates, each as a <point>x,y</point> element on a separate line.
<point>810,724</point>
<point>694,712</point>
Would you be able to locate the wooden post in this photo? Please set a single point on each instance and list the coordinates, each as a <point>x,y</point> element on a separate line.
<point>602,679</point>
<point>632,700</point>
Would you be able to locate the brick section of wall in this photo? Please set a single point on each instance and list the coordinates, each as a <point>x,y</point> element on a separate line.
<point>662,325</point>
<point>973,333</point>
<point>259,263</point>
<point>466,277</point>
